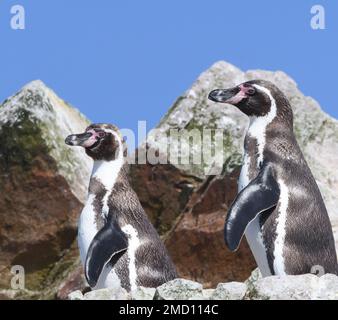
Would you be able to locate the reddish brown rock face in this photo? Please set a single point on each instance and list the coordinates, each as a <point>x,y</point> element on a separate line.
<point>196,242</point>
<point>74,281</point>
<point>196,219</point>
<point>163,191</point>
<point>198,251</point>
<point>38,219</point>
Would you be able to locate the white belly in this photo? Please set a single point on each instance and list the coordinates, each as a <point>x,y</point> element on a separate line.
<point>87,229</point>
<point>253,232</point>
<point>108,279</point>
<point>254,237</point>
<point>86,232</point>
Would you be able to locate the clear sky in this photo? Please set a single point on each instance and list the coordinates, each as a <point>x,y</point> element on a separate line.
<point>121,61</point>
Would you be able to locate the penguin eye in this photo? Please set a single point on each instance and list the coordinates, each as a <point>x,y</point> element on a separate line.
<point>102,134</point>
<point>251,91</point>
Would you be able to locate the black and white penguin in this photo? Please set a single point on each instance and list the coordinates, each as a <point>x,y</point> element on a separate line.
<point>118,245</point>
<point>279,207</point>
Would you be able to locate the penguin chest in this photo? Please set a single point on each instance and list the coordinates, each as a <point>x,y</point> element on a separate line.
<point>244,177</point>
<point>87,230</point>
<point>87,227</point>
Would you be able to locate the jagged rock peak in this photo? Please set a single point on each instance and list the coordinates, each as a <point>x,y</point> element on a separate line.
<point>37,106</point>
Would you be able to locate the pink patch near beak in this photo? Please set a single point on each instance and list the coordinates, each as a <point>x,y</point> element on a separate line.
<point>242,94</point>
<point>93,139</point>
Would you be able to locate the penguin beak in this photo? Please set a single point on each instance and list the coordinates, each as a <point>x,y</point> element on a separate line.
<point>83,139</point>
<point>224,95</point>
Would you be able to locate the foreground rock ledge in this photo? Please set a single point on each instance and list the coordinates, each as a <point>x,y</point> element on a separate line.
<point>302,287</point>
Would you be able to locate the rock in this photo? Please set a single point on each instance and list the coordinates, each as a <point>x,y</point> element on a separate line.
<point>75,280</point>
<point>179,289</point>
<point>290,287</point>
<point>229,291</point>
<point>42,185</point>
<point>200,228</point>
<point>8,294</point>
<point>207,293</point>
<point>327,288</point>
<point>143,293</point>
<point>34,110</point>
<point>193,110</point>
<point>301,287</point>
<point>107,294</point>
<point>163,191</point>
<point>75,295</point>
<point>254,277</point>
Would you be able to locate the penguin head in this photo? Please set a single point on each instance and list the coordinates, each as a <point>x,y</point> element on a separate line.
<point>254,98</point>
<point>101,141</point>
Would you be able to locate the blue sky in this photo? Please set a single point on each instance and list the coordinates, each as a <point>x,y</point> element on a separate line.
<point>124,61</point>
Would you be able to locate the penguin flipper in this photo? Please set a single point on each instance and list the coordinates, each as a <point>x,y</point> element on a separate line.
<point>261,194</point>
<point>107,246</point>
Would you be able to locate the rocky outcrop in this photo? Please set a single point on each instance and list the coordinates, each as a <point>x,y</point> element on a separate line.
<point>302,287</point>
<point>42,187</point>
<point>163,191</point>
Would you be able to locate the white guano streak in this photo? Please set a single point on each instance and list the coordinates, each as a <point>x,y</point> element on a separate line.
<point>257,128</point>
<point>278,264</point>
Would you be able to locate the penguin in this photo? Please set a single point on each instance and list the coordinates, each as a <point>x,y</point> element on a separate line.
<point>119,247</point>
<point>279,207</point>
